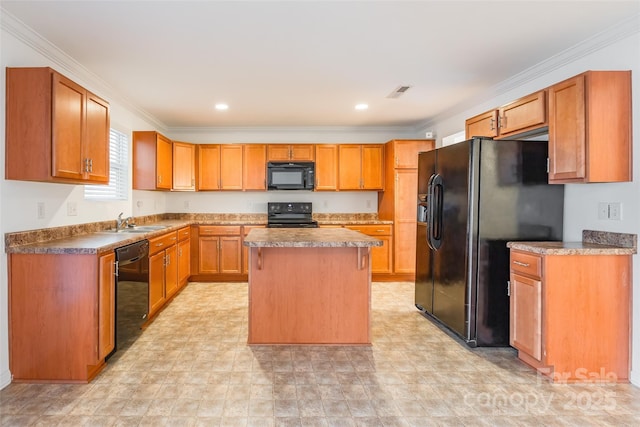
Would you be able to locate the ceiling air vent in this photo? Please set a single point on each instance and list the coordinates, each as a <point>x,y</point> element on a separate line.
<point>399,91</point>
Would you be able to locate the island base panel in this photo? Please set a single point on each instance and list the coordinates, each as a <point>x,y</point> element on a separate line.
<point>314,295</point>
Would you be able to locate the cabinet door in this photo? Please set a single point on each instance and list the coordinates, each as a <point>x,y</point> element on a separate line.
<point>302,152</point>
<point>68,117</point>
<point>230,254</point>
<point>164,163</point>
<point>278,152</point>
<point>527,113</point>
<point>254,168</point>
<point>326,167</point>
<point>184,158</point>
<point>170,271</point>
<point>184,264</point>
<point>97,139</point>
<point>230,167</point>
<point>349,167</point>
<point>526,315</point>
<point>406,152</point>
<point>208,255</point>
<point>372,167</point>
<point>406,186</point>
<point>567,139</point>
<point>208,167</point>
<point>156,282</point>
<point>106,305</point>
<point>381,256</point>
<point>245,250</point>
<point>485,124</point>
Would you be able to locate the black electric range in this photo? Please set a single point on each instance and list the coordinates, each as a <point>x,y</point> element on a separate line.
<point>290,215</point>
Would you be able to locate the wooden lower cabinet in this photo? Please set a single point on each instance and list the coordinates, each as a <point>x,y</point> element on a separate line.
<point>184,257</point>
<point>245,250</point>
<point>570,315</point>
<point>219,253</point>
<point>381,256</point>
<point>61,316</point>
<point>163,270</point>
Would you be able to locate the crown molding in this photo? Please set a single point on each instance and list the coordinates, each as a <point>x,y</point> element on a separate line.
<point>291,129</point>
<point>65,64</point>
<point>598,41</point>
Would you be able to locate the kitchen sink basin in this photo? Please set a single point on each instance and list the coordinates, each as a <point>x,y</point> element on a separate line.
<point>140,229</point>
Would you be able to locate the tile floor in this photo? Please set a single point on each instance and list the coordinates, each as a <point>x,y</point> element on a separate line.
<point>192,367</point>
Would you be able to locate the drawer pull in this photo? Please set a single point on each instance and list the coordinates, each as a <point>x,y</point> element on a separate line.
<point>159,244</point>
<point>521,264</point>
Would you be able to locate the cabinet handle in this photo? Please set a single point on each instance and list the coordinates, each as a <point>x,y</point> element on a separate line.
<point>159,244</point>
<point>492,125</point>
<point>521,264</point>
<point>180,252</point>
<point>159,179</point>
<point>90,165</point>
<point>168,259</point>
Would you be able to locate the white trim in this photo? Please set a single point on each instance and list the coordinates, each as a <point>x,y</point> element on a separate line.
<point>634,378</point>
<point>5,379</point>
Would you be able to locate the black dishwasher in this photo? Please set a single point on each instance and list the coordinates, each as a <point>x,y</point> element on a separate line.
<point>132,292</point>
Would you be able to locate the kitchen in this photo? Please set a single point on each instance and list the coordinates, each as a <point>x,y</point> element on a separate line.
<point>20,199</point>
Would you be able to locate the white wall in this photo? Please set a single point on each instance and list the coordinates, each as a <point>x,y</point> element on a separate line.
<point>581,200</point>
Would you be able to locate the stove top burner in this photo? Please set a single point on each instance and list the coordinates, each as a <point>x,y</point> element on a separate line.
<point>290,215</point>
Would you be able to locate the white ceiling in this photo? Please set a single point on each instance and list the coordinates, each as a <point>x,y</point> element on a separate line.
<point>307,63</point>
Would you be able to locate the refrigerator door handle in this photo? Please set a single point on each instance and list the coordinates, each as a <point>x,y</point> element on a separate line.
<point>435,226</point>
<point>430,210</point>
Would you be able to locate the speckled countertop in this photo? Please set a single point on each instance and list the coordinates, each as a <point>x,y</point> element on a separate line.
<point>593,243</point>
<point>95,238</point>
<point>308,238</point>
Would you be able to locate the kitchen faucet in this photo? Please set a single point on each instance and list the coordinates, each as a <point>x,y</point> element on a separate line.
<point>122,223</point>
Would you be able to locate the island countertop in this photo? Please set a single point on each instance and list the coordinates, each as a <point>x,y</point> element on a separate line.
<point>308,238</point>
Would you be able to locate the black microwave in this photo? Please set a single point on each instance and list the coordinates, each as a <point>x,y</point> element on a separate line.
<point>290,175</point>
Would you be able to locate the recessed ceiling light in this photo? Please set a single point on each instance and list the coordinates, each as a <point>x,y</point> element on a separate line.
<point>362,106</point>
<point>222,107</point>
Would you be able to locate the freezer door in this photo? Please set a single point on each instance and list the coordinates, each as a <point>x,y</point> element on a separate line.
<point>424,257</point>
<point>450,261</point>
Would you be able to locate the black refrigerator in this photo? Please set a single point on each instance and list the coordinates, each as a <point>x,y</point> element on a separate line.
<point>474,197</point>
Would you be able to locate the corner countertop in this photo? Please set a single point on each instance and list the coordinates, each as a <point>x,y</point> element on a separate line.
<point>308,238</point>
<point>593,243</point>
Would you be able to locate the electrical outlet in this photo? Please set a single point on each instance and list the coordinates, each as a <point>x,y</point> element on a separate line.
<point>615,211</point>
<point>41,210</point>
<point>72,209</point>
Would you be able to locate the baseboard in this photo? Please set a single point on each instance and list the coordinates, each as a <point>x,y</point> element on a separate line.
<point>5,379</point>
<point>634,378</point>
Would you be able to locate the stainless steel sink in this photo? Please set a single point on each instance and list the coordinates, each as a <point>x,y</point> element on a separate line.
<point>139,229</point>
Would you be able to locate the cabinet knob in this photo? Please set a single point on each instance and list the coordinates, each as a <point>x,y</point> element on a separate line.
<point>521,264</point>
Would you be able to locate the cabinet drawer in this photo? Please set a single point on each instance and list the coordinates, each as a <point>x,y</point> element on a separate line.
<point>184,233</point>
<point>372,230</point>
<point>526,263</point>
<point>219,230</point>
<point>162,242</point>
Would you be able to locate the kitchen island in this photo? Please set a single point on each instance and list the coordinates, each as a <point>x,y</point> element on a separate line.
<point>309,286</point>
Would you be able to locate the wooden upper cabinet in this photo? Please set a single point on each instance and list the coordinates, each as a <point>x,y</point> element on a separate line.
<point>184,166</point>
<point>285,152</point>
<point>231,167</point>
<point>590,128</point>
<point>326,167</point>
<point>208,167</point>
<point>361,167</point>
<point>405,151</point>
<point>254,168</point>
<point>152,161</point>
<point>527,114</point>
<point>485,124</point>
<point>56,130</point>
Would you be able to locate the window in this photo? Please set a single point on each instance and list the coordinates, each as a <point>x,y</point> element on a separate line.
<point>117,188</point>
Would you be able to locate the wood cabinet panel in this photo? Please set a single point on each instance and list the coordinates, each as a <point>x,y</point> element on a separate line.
<point>485,124</point>
<point>381,256</point>
<point>156,282</point>
<point>245,250</point>
<point>525,114</point>
<point>56,131</point>
<point>590,128</point>
<point>208,255</point>
<point>184,166</point>
<point>152,161</point>
<point>171,271</point>
<point>231,167</point>
<point>184,262</point>
<point>349,167</point>
<point>230,254</point>
<point>208,167</point>
<point>326,167</point>
<point>254,168</point>
<point>526,315</point>
<point>286,152</point>
<point>106,306</point>
<point>405,151</point>
<point>372,167</point>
